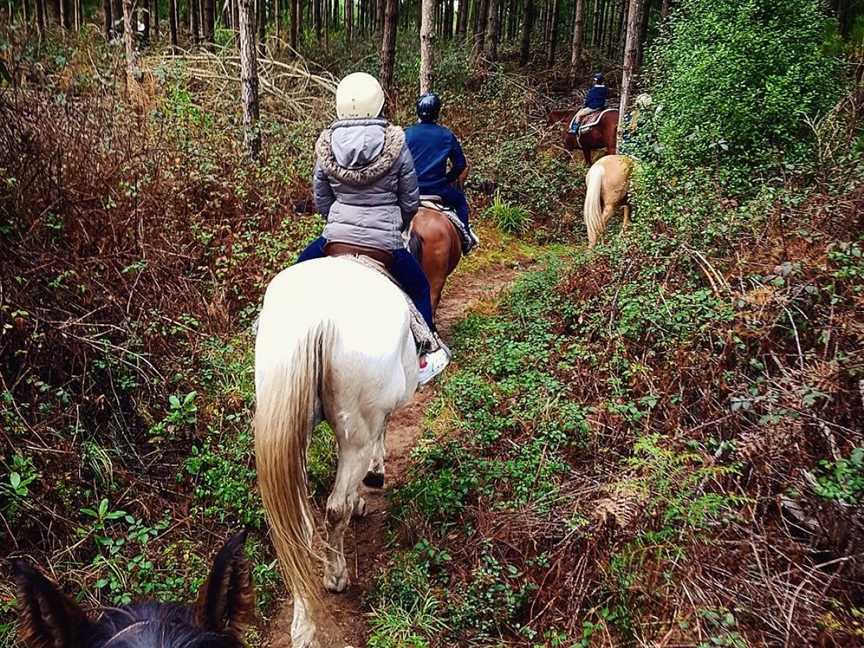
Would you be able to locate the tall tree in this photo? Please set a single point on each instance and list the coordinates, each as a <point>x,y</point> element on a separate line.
<point>664,10</point>
<point>631,51</point>
<point>388,46</point>
<point>578,38</point>
<point>427,37</point>
<point>209,21</point>
<point>156,19</point>
<point>349,21</point>
<point>172,25</point>
<point>527,28</point>
<point>249,79</point>
<point>144,19</point>
<point>295,24</point>
<point>316,19</point>
<point>493,27</point>
<point>106,10</point>
<point>462,20</point>
<point>555,13</point>
<point>193,20</point>
<point>41,18</point>
<point>480,32</point>
<point>128,39</point>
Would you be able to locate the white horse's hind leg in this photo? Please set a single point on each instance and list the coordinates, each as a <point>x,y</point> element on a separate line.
<point>302,627</point>
<point>356,437</point>
<point>375,476</point>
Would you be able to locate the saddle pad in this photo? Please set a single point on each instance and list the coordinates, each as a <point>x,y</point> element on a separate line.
<point>593,119</point>
<point>423,336</point>
<point>450,213</point>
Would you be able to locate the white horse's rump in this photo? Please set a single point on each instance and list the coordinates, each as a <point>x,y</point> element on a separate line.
<point>333,342</point>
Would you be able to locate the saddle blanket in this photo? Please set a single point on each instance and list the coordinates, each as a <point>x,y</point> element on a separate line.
<point>590,120</point>
<point>435,202</point>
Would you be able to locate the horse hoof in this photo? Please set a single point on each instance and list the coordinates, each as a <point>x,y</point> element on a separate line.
<point>374,479</point>
<point>360,507</point>
<point>336,583</point>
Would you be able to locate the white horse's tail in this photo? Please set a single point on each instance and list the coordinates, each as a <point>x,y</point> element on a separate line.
<point>287,394</point>
<point>594,203</point>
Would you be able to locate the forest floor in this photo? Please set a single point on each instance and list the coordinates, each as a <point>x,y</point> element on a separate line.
<point>474,287</point>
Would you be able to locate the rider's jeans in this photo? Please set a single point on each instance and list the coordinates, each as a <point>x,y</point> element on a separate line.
<point>405,270</point>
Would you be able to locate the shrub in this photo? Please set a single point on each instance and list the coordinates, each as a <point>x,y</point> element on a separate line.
<point>736,79</point>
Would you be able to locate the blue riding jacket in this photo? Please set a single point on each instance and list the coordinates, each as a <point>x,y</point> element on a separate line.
<point>596,97</point>
<point>432,146</point>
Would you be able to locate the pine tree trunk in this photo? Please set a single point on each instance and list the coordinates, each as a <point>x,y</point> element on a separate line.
<point>578,38</point>
<point>155,11</point>
<point>316,19</point>
<point>462,20</point>
<point>172,25</point>
<point>664,10</point>
<point>193,20</point>
<point>480,33</point>
<point>634,18</point>
<point>106,9</point>
<point>41,18</point>
<point>349,21</point>
<point>380,15</point>
<point>493,26</point>
<point>553,32</point>
<point>249,79</point>
<point>295,25</point>
<point>527,27</point>
<point>388,46</point>
<point>210,21</point>
<point>427,38</point>
<point>643,32</point>
<point>128,39</point>
<point>261,25</point>
<point>144,12</point>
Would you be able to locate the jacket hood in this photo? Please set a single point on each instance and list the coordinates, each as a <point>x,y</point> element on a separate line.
<point>359,151</point>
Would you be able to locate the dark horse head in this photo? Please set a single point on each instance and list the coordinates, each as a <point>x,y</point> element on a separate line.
<point>225,607</point>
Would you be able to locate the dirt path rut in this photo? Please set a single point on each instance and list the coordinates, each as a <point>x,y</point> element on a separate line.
<point>365,540</point>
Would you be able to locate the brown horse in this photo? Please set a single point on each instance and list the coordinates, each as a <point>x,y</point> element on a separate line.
<point>602,136</point>
<point>438,248</point>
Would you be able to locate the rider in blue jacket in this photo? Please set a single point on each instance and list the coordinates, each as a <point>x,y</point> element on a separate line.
<point>595,100</point>
<point>432,146</point>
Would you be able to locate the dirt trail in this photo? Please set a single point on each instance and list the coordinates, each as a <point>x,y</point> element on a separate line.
<point>365,540</point>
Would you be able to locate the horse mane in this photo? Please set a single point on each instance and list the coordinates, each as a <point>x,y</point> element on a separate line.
<point>147,624</point>
<point>560,116</point>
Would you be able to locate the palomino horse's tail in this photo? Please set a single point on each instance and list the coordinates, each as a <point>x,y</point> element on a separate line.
<point>594,203</point>
<point>287,394</point>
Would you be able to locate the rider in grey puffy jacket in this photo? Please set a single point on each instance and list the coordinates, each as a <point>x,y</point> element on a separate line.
<point>366,187</point>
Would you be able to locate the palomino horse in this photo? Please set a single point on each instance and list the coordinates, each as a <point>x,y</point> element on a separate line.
<point>438,248</point>
<point>225,607</point>
<point>334,342</point>
<point>607,187</point>
<point>602,136</point>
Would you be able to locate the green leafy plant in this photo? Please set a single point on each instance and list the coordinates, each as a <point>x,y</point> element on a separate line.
<point>842,480</point>
<point>511,219</point>
<point>182,414</point>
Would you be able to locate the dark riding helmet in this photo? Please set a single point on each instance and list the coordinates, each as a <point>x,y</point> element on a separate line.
<point>597,77</point>
<point>429,107</point>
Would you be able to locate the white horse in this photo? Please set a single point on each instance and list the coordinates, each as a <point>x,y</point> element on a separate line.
<point>334,342</point>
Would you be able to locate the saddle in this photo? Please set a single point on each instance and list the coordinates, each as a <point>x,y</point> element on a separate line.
<point>383,257</point>
<point>437,204</point>
<point>381,261</point>
<point>591,120</point>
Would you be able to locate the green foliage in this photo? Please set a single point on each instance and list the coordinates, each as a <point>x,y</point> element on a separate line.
<point>16,486</point>
<point>736,80</point>
<point>182,415</point>
<point>842,480</point>
<point>511,219</point>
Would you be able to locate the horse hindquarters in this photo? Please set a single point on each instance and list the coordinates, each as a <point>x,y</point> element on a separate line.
<point>318,352</point>
<point>594,210</point>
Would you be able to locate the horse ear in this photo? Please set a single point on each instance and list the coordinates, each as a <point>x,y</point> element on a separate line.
<point>226,602</point>
<point>47,617</point>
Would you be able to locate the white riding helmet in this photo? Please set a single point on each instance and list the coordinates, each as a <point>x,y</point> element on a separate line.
<point>644,100</point>
<point>359,95</point>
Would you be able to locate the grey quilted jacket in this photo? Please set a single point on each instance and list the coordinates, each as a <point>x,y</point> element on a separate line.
<point>365,183</point>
